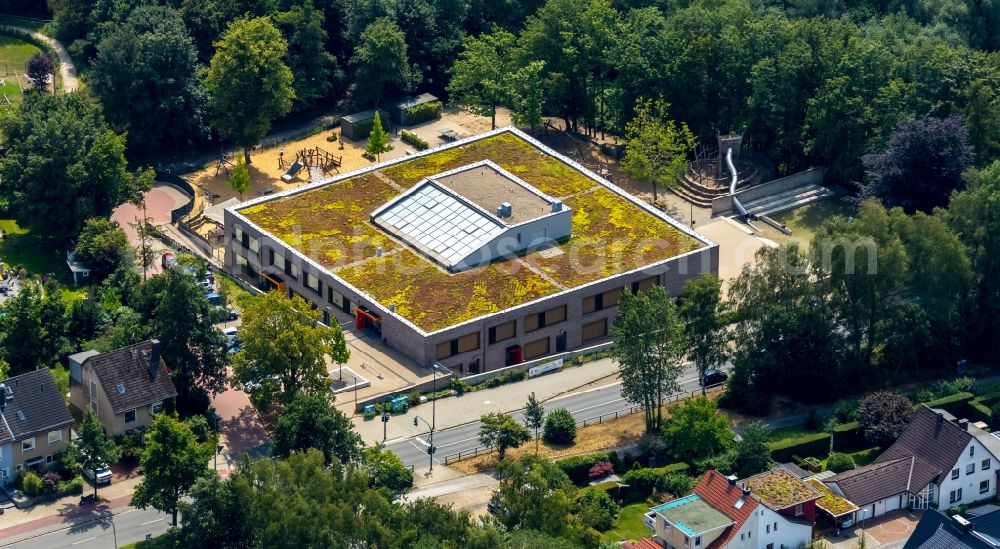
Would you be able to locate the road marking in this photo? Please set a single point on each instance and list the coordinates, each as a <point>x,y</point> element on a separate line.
<point>596,405</point>
<point>84,540</point>
<point>151,522</point>
<point>421,441</point>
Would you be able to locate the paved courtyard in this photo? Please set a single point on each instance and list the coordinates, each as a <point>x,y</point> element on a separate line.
<point>889,531</point>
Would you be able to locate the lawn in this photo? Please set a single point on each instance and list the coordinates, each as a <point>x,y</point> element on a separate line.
<point>784,434</point>
<point>629,524</point>
<point>14,53</point>
<point>38,255</point>
<point>805,221</point>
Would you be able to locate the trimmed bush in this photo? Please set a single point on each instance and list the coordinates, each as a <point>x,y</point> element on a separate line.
<point>813,445</point>
<point>601,469</point>
<point>645,482</point>
<point>560,427</point>
<point>951,403</point>
<point>413,139</point>
<point>847,437</point>
<point>577,468</point>
<point>32,484</point>
<point>72,486</point>
<point>51,482</point>
<point>838,463</point>
<point>422,112</point>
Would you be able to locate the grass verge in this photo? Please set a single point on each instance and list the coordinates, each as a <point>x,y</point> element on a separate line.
<point>168,540</point>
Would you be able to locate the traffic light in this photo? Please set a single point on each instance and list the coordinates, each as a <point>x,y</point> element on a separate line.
<point>414,421</point>
<point>431,450</point>
<point>385,417</point>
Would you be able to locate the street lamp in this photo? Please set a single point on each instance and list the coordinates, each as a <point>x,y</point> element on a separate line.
<point>430,440</point>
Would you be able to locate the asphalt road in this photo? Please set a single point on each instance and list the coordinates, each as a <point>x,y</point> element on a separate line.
<point>99,530</point>
<point>583,405</point>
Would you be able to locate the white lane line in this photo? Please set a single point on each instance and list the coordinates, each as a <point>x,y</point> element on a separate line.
<point>597,405</point>
<point>84,540</point>
<point>421,441</point>
<point>151,522</point>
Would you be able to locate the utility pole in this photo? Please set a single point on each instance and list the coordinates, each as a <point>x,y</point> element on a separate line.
<point>385,425</point>
<point>430,441</point>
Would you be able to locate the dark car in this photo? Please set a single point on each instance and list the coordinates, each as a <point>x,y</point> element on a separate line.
<point>714,377</point>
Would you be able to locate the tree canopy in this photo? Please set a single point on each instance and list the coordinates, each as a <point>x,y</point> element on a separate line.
<point>248,82</point>
<point>63,164</point>
<point>284,349</point>
<point>311,421</point>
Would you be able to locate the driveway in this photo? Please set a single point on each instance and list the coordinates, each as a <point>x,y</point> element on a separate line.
<point>889,531</point>
<point>241,428</point>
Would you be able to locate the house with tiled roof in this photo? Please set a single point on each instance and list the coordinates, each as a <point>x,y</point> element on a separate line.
<point>936,463</point>
<point>723,513</point>
<point>126,387</point>
<point>34,424</point>
<point>975,530</point>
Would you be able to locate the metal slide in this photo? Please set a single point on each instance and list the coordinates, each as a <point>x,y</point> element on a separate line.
<point>732,191</point>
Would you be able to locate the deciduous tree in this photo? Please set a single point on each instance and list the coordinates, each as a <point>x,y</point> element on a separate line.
<point>386,470</point>
<point>63,164</point>
<point>704,315</point>
<point>39,71</point>
<point>240,180</point>
<point>311,421</point>
<point>381,65</point>
<point>883,415</point>
<point>145,73</point>
<point>480,77</point>
<point>248,82</point>
<point>501,432</point>
<point>172,461</point>
<point>752,453</point>
<point>696,430</point>
<point>535,494</point>
<point>656,147</point>
<point>284,349</point>
<point>93,449</point>
<point>649,348</point>
<point>534,416</point>
<point>104,247</point>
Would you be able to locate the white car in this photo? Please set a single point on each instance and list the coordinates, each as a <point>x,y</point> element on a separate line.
<point>230,334</point>
<point>98,475</point>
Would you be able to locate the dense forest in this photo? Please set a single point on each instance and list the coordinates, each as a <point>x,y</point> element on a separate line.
<point>807,83</point>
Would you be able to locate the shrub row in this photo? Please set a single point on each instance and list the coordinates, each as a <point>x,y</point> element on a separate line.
<point>847,437</point>
<point>414,140</point>
<point>422,112</point>
<point>813,445</point>
<point>577,468</point>
<point>671,479</point>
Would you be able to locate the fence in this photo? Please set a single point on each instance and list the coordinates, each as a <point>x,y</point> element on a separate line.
<point>166,176</point>
<point>610,416</point>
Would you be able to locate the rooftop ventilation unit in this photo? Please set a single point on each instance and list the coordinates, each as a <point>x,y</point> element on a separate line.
<point>505,210</point>
<point>557,206</point>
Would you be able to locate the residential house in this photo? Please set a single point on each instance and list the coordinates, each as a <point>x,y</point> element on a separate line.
<point>936,463</point>
<point>975,530</point>
<point>723,513</point>
<point>34,424</point>
<point>126,387</point>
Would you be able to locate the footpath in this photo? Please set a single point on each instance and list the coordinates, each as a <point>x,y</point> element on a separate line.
<point>459,410</point>
<point>65,512</point>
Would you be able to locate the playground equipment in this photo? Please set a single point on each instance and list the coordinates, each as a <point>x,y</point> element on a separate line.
<point>316,160</point>
<point>225,162</point>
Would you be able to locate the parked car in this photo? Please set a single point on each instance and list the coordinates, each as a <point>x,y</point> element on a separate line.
<point>207,285</point>
<point>233,313</point>
<point>214,298</point>
<point>230,334</point>
<point>714,377</point>
<point>168,259</point>
<point>98,475</point>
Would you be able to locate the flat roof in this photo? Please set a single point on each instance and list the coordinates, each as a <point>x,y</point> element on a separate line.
<point>780,489</point>
<point>328,224</point>
<point>692,515</point>
<point>488,186</point>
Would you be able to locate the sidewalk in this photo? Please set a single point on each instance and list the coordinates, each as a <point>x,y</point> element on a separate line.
<point>459,410</point>
<point>66,510</point>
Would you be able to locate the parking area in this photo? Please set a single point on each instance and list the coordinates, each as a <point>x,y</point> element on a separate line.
<point>889,531</point>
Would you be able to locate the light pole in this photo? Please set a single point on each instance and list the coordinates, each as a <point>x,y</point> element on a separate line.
<point>430,441</point>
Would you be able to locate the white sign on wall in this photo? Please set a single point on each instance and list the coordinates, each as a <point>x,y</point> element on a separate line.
<point>547,367</point>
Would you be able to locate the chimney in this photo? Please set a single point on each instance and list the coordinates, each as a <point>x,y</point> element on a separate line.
<point>962,524</point>
<point>732,480</point>
<point>940,416</point>
<point>746,491</point>
<point>154,359</point>
<point>963,424</point>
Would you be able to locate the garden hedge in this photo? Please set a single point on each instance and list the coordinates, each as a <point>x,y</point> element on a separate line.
<point>422,112</point>
<point>415,140</point>
<point>956,404</point>
<point>812,445</point>
<point>577,468</point>
<point>847,437</point>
